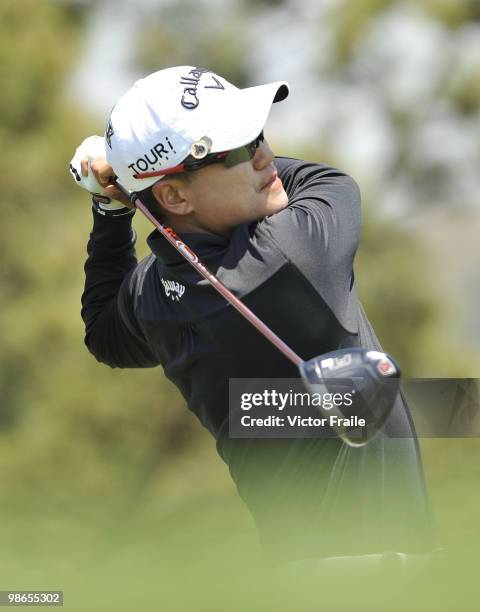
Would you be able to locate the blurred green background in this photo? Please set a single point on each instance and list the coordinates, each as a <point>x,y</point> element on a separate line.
<point>109,488</point>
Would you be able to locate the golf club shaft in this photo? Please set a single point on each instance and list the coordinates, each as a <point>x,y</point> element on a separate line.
<point>194,261</point>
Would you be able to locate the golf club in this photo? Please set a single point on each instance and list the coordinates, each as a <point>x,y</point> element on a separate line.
<point>372,376</point>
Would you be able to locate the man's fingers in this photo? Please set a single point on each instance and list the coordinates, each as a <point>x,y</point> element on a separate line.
<point>112,192</point>
<point>103,173</point>
<point>102,170</point>
<point>84,166</point>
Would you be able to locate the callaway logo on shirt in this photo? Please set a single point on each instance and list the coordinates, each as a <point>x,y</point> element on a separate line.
<point>173,290</point>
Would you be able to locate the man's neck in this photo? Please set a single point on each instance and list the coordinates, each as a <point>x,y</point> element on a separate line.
<point>190,226</point>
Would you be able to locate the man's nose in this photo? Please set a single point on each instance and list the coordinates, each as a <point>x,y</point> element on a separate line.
<point>263,156</point>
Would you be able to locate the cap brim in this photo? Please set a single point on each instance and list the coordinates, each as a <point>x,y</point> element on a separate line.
<point>245,116</point>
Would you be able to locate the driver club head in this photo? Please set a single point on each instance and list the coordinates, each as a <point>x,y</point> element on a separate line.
<point>364,385</point>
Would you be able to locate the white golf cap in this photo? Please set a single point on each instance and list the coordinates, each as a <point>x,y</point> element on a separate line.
<point>157,122</point>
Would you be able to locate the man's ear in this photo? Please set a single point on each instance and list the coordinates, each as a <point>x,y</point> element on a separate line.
<point>171,196</point>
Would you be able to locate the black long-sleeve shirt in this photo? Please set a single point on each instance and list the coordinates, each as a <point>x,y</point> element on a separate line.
<point>294,269</point>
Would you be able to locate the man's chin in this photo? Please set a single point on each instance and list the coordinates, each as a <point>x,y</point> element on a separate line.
<point>277,201</point>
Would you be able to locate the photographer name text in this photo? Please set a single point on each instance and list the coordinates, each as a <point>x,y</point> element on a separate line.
<point>298,421</point>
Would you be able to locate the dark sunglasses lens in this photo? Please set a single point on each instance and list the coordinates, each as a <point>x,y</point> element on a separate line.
<point>237,156</point>
<point>245,153</point>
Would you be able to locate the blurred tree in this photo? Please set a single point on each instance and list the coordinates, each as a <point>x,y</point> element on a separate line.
<point>348,23</point>
<point>254,5</point>
<point>34,167</point>
<point>453,13</point>
<point>402,306</point>
<point>462,88</point>
<point>214,44</point>
<point>61,413</point>
<point>411,311</point>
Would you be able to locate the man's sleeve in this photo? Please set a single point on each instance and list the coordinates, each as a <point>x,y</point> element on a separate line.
<point>319,230</point>
<point>112,333</point>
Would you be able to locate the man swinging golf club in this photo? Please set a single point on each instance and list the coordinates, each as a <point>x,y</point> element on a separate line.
<point>278,238</point>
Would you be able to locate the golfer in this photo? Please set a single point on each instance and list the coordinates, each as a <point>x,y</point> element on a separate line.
<point>281,234</point>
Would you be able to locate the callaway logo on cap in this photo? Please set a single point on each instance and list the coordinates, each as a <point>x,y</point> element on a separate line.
<point>165,117</point>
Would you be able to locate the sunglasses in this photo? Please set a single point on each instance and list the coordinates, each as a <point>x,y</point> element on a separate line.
<point>228,158</point>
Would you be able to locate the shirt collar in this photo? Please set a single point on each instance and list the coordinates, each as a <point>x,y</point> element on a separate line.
<point>202,244</point>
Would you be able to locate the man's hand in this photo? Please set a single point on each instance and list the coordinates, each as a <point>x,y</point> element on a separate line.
<point>103,174</point>
<point>91,171</point>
